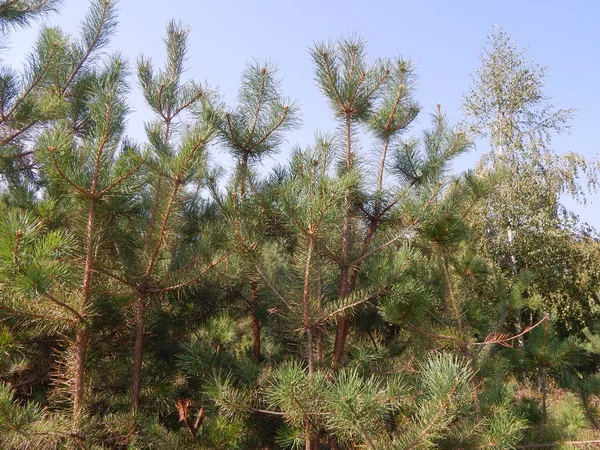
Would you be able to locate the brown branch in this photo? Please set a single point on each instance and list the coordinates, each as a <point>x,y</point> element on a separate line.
<point>272,130</point>
<point>450,287</point>
<point>358,84</point>
<point>356,303</point>
<point>516,336</point>
<point>10,310</point>
<point>162,230</point>
<point>388,125</point>
<point>32,379</point>
<point>188,104</point>
<point>183,268</point>
<point>183,408</point>
<point>79,125</point>
<point>270,285</point>
<point>199,143</point>
<point>231,133</point>
<point>79,189</point>
<point>379,83</point>
<point>62,304</point>
<point>376,249</point>
<point>426,333</point>
<point>325,249</point>
<point>16,134</point>
<point>115,277</point>
<point>265,411</point>
<point>185,283</point>
<point>23,154</point>
<point>116,182</point>
<point>434,420</point>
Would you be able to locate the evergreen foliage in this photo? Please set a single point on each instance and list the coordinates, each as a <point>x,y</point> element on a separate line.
<point>359,296</point>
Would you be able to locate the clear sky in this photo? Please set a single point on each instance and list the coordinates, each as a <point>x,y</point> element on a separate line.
<point>444,38</point>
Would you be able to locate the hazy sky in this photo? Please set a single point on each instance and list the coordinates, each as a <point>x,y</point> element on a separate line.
<point>444,38</point>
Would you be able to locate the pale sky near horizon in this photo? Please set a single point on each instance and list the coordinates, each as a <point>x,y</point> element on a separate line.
<point>444,38</point>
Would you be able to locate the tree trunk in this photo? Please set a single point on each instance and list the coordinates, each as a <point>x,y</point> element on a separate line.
<point>343,325</point>
<point>339,348</point>
<point>256,337</point>
<point>255,322</point>
<point>308,443</point>
<point>138,352</point>
<point>81,345</point>
<point>320,348</point>
<point>544,393</point>
<point>83,335</point>
<point>306,316</point>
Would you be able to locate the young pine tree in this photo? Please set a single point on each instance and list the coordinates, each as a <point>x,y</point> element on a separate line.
<point>157,258</point>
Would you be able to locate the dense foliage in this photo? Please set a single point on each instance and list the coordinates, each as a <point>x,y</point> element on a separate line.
<point>361,295</point>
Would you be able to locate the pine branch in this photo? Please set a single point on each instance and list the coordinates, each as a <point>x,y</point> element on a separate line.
<point>103,25</point>
<point>32,85</point>
<point>432,423</point>
<point>10,310</point>
<point>114,277</point>
<point>21,12</point>
<point>67,307</point>
<point>194,279</point>
<point>162,230</point>
<point>86,194</point>
<point>116,182</point>
<point>261,93</point>
<point>273,129</point>
<point>494,338</point>
<point>343,309</point>
<point>16,134</point>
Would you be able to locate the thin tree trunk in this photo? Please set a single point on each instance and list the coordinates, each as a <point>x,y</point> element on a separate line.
<point>83,335</point>
<point>308,443</point>
<point>81,344</point>
<point>333,445</point>
<point>457,315</point>
<point>255,322</point>
<point>138,352</point>
<point>243,174</point>
<point>544,393</point>
<point>141,302</point>
<point>463,344</point>
<point>343,323</point>
<point>514,269</point>
<point>308,326</point>
<point>320,347</point>
<point>256,337</point>
<point>253,284</point>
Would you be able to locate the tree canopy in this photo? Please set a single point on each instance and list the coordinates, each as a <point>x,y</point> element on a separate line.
<point>362,295</point>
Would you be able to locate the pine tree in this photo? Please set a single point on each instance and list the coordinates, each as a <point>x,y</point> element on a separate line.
<point>53,83</point>
<point>102,169</point>
<point>156,258</point>
<point>69,94</point>
<point>251,131</point>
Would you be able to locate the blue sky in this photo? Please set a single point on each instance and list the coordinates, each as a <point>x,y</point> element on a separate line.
<point>444,38</point>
